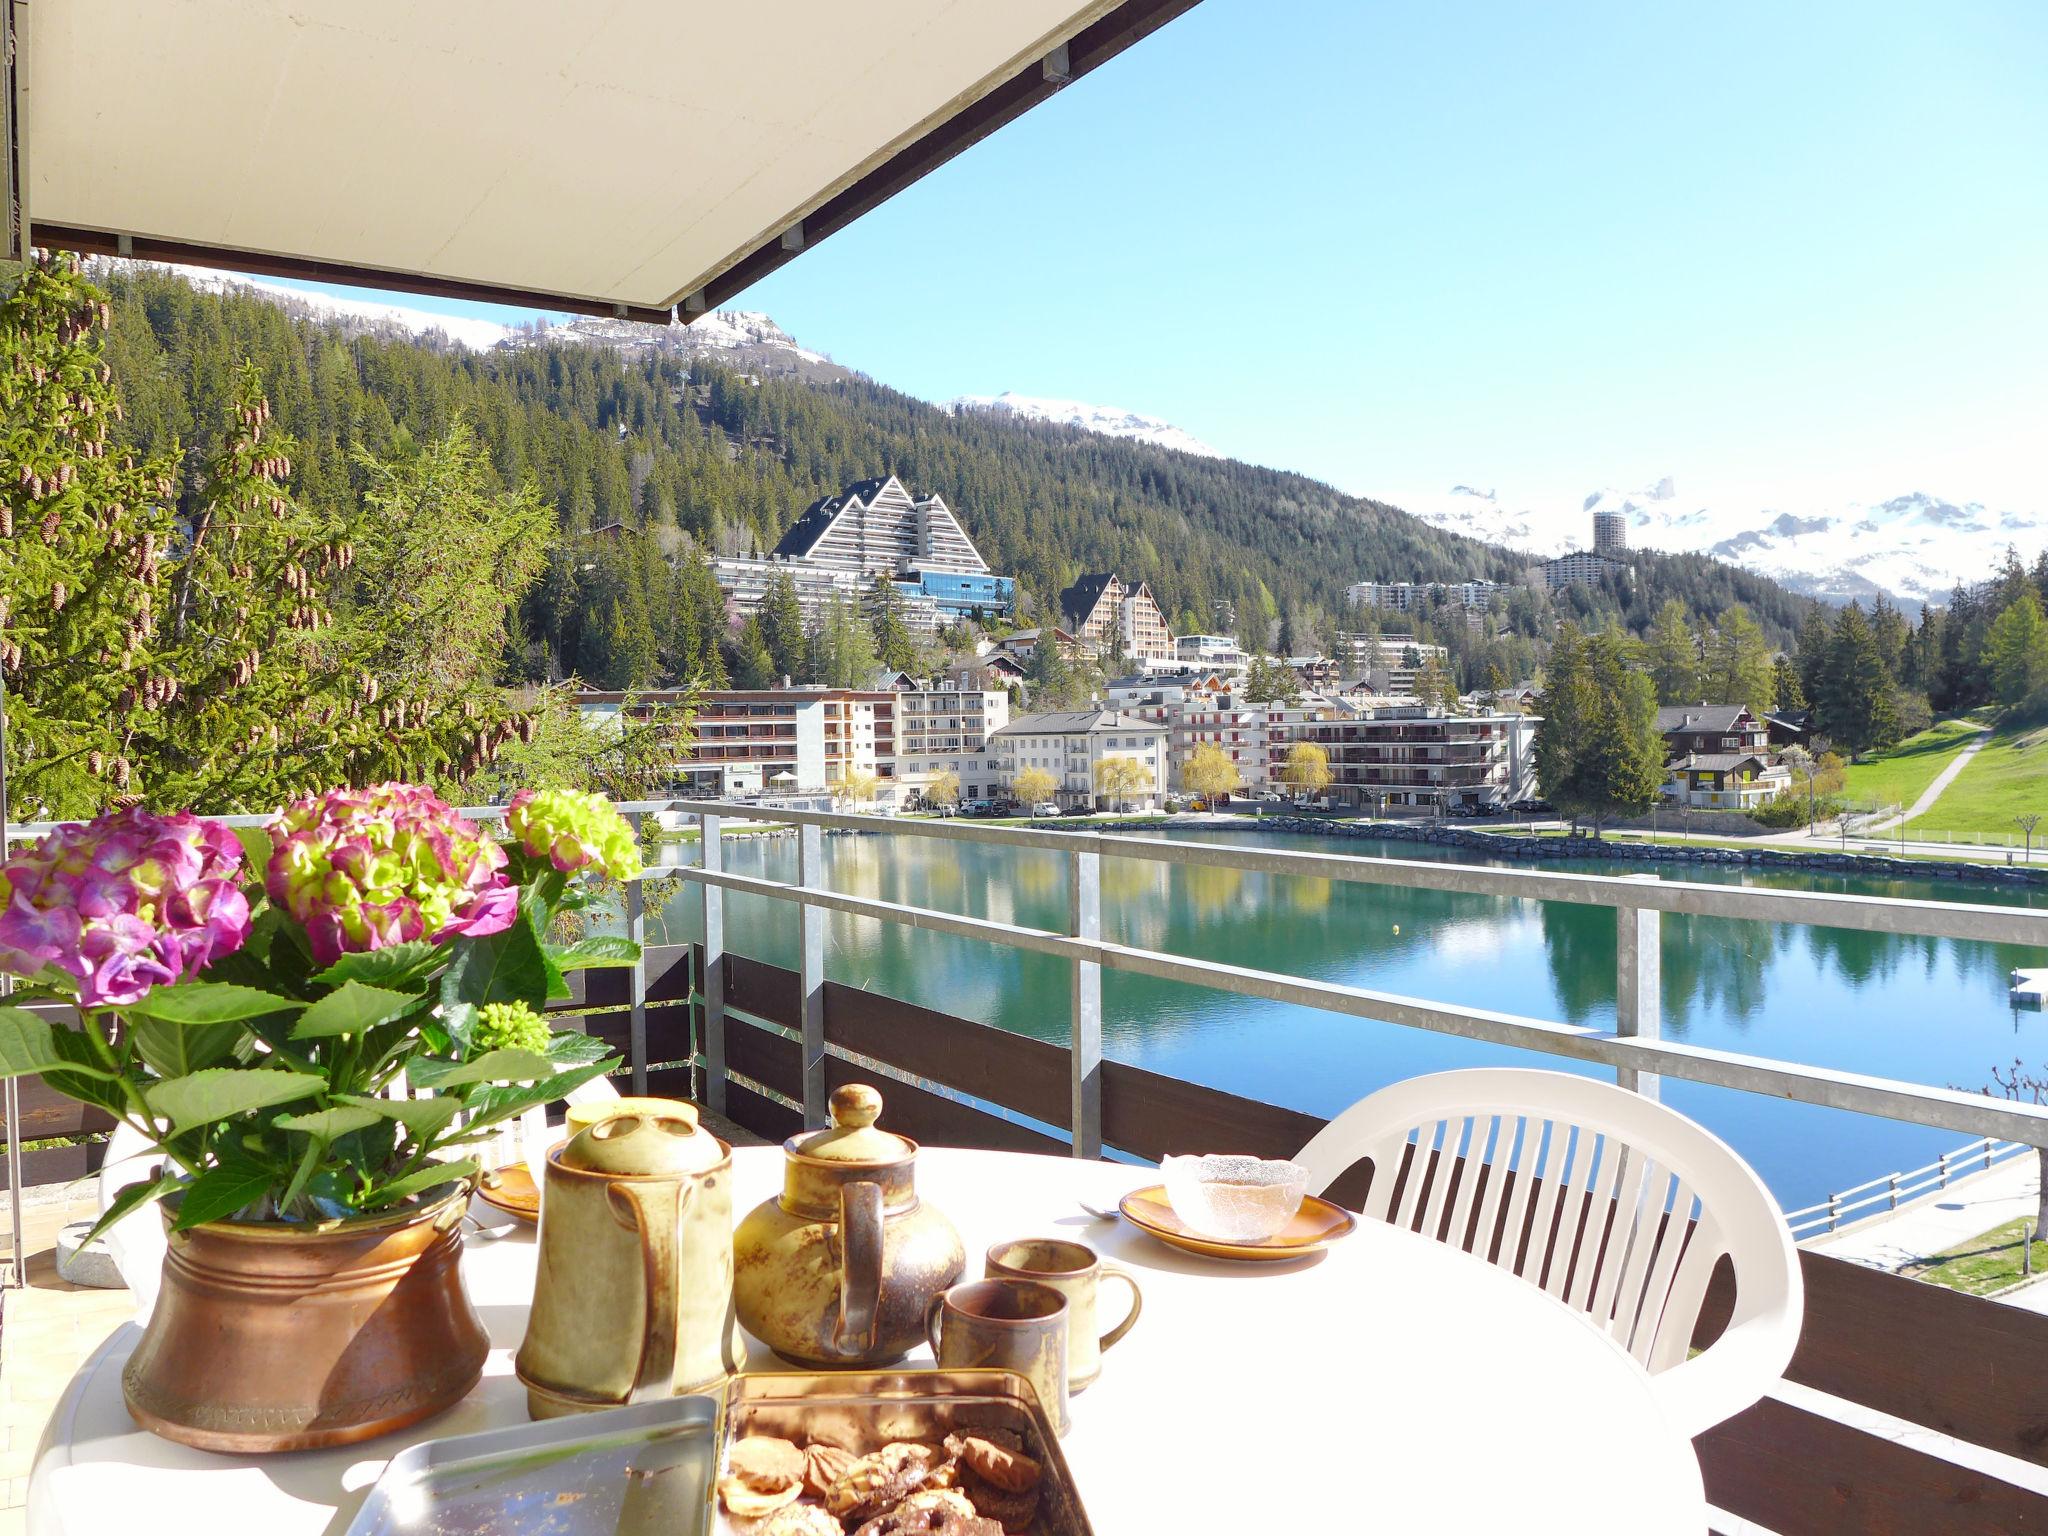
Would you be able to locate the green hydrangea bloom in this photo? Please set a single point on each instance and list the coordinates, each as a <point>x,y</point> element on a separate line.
<point>573,831</point>
<point>509,1026</point>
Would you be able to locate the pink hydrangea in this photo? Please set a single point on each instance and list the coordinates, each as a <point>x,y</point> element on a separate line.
<point>573,831</point>
<point>366,868</point>
<point>125,903</point>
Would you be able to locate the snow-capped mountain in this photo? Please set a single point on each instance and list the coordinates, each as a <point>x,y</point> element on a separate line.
<point>745,339</point>
<point>1914,548</point>
<point>1106,419</point>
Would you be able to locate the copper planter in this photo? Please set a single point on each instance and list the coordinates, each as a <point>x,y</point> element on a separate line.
<point>275,1337</point>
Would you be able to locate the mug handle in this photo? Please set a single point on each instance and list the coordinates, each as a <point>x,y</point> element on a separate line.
<point>656,1212</point>
<point>1111,1272</point>
<point>931,1323</point>
<point>860,1267</point>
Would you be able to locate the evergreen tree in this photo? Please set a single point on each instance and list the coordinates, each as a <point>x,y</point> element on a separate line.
<point>782,627</point>
<point>1888,628</point>
<point>2016,653</point>
<point>1785,682</point>
<point>842,649</point>
<point>1856,707</point>
<point>893,641</point>
<point>753,667</point>
<point>1816,647</point>
<point>1737,668</point>
<point>1674,655</point>
<point>1597,750</point>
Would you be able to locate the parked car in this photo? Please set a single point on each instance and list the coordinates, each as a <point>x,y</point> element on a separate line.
<point>1533,808</point>
<point>978,808</point>
<point>1489,808</point>
<point>1271,796</point>
<point>1460,809</point>
<point>1045,808</point>
<point>948,809</point>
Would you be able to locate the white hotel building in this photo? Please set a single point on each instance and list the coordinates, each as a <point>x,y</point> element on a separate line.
<point>1069,745</point>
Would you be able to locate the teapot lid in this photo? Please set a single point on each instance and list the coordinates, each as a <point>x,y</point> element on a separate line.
<point>651,1141</point>
<point>854,1137</point>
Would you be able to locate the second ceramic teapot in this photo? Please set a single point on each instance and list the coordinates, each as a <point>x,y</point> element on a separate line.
<point>840,1269</point>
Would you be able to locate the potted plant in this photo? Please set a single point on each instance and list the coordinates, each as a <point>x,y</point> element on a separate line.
<point>309,1023</point>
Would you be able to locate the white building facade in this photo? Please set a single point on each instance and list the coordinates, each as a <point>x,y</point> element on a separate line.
<point>1070,745</point>
<point>947,730</point>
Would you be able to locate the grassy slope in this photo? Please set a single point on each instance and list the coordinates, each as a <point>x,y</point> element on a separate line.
<point>1988,1262</point>
<point>1899,776</point>
<point>2008,777</point>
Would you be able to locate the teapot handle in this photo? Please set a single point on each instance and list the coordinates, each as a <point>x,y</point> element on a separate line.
<point>860,1267</point>
<point>655,1211</point>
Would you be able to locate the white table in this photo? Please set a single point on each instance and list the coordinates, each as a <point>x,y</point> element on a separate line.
<point>1393,1385</point>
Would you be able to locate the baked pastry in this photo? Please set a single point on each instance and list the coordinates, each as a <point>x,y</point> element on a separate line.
<point>1014,1511</point>
<point>918,1516</point>
<point>1008,1469</point>
<point>799,1520</point>
<point>765,1462</point>
<point>879,1481</point>
<point>749,1502</point>
<point>823,1464</point>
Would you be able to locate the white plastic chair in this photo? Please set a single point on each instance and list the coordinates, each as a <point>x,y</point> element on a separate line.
<point>1576,1145</point>
<point>137,1240</point>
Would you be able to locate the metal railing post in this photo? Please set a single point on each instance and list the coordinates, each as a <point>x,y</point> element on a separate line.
<point>711,855</point>
<point>1639,985</point>
<point>636,997</point>
<point>1084,921</point>
<point>810,874</point>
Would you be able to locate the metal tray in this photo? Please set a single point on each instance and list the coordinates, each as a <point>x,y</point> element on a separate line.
<point>864,1410</point>
<point>644,1470</point>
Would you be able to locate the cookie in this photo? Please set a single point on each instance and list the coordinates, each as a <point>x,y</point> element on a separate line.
<point>800,1520</point>
<point>749,1502</point>
<point>1013,1511</point>
<point>823,1465</point>
<point>911,1518</point>
<point>879,1481</point>
<point>1010,1470</point>
<point>764,1462</point>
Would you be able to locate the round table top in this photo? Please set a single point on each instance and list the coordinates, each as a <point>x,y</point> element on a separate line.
<point>1391,1384</point>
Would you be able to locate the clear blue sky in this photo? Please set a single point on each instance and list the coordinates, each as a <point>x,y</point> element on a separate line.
<point>1789,251</point>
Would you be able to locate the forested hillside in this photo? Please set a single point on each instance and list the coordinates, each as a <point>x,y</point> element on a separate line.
<point>650,461</point>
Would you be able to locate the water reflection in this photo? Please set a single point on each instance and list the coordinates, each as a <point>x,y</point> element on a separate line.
<point>1925,1010</point>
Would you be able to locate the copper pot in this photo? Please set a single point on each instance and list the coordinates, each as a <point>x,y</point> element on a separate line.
<point>281,1337</point>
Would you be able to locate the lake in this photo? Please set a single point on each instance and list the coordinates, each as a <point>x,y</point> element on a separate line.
<point>1931,1011</point>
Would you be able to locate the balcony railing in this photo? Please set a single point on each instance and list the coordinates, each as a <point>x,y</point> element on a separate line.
<point>1907,1407</point>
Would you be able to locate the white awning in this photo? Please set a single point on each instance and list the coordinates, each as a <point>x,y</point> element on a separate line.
<point>615,156</point>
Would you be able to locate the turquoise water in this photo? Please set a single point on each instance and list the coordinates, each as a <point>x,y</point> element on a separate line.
<point>1930,1011</point>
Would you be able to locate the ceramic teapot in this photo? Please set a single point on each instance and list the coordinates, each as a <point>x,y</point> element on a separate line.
<point>840,1269</point>
<point>633,1295</point>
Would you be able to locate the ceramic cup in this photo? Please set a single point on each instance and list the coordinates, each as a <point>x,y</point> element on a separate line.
<point>1005,1325</point>
<point>1076,1271</point>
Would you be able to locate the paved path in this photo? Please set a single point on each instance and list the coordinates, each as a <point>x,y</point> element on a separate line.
<point>1942,780</point>
<point>1957,1214</point>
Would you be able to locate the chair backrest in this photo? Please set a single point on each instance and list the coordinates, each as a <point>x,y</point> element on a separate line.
<point>1613,1204</point>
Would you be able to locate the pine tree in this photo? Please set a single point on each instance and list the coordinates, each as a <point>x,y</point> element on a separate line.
<point>894,644</point>
<point>1737,667</point>
<point>1674,655</point>
<point>1786,684</point>
<point>782,627</point>
<point>1597,750</point>
<point>753,666</point>
<point>2016,653</point>
<point>1856,707</point>
<point>1816,646</point>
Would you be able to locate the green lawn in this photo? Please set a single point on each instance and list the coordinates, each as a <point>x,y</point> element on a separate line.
<point>2008,777</point>
<point>1898,777</point>
<point>1988,1262</point>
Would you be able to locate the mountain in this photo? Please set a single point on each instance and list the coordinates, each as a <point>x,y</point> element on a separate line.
<point>742,339</point>
<point>1912,548</point>
<point>1105,419</point>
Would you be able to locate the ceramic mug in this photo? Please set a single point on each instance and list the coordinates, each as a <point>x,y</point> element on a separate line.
<point>1076,1271</point>
<point>1005,1325</point>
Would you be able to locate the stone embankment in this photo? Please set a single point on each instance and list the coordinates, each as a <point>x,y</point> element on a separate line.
<point>1494,844</point>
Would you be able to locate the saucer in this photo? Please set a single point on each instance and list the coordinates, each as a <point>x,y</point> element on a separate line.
<point>1316,1224</point>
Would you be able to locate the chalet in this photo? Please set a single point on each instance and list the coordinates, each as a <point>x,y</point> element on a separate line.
<point>1710,728</point>
<point>1108,617</point>
<point>1726,781</point>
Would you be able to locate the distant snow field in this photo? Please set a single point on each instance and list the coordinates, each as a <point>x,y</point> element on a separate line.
<point>1106,419</point>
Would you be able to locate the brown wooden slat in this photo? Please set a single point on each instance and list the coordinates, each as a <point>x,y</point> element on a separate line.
<point>60,1165</point>
<point>1966,1366</point>
<point>1803,1475</point>
<point>766,991</point>
<point>1013,1070</point>
<point>936,1120</point>
<point>772,1060</point>
<point>45,1112</point>
<point>761,1114</point>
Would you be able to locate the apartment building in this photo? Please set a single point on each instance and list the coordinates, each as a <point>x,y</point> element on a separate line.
<point>874,530</point>
<point>1407,596</point>
<point>1069,744</point>
<point>1409,756</point>
<point>784,740</point>
<point>946,730</point>
<point>1388,664</point>
<point>1210,654</point>
<point>1105,615</point>
<point>1198,710</point>
<point>1610,534</point>
<point>1580,569</point>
